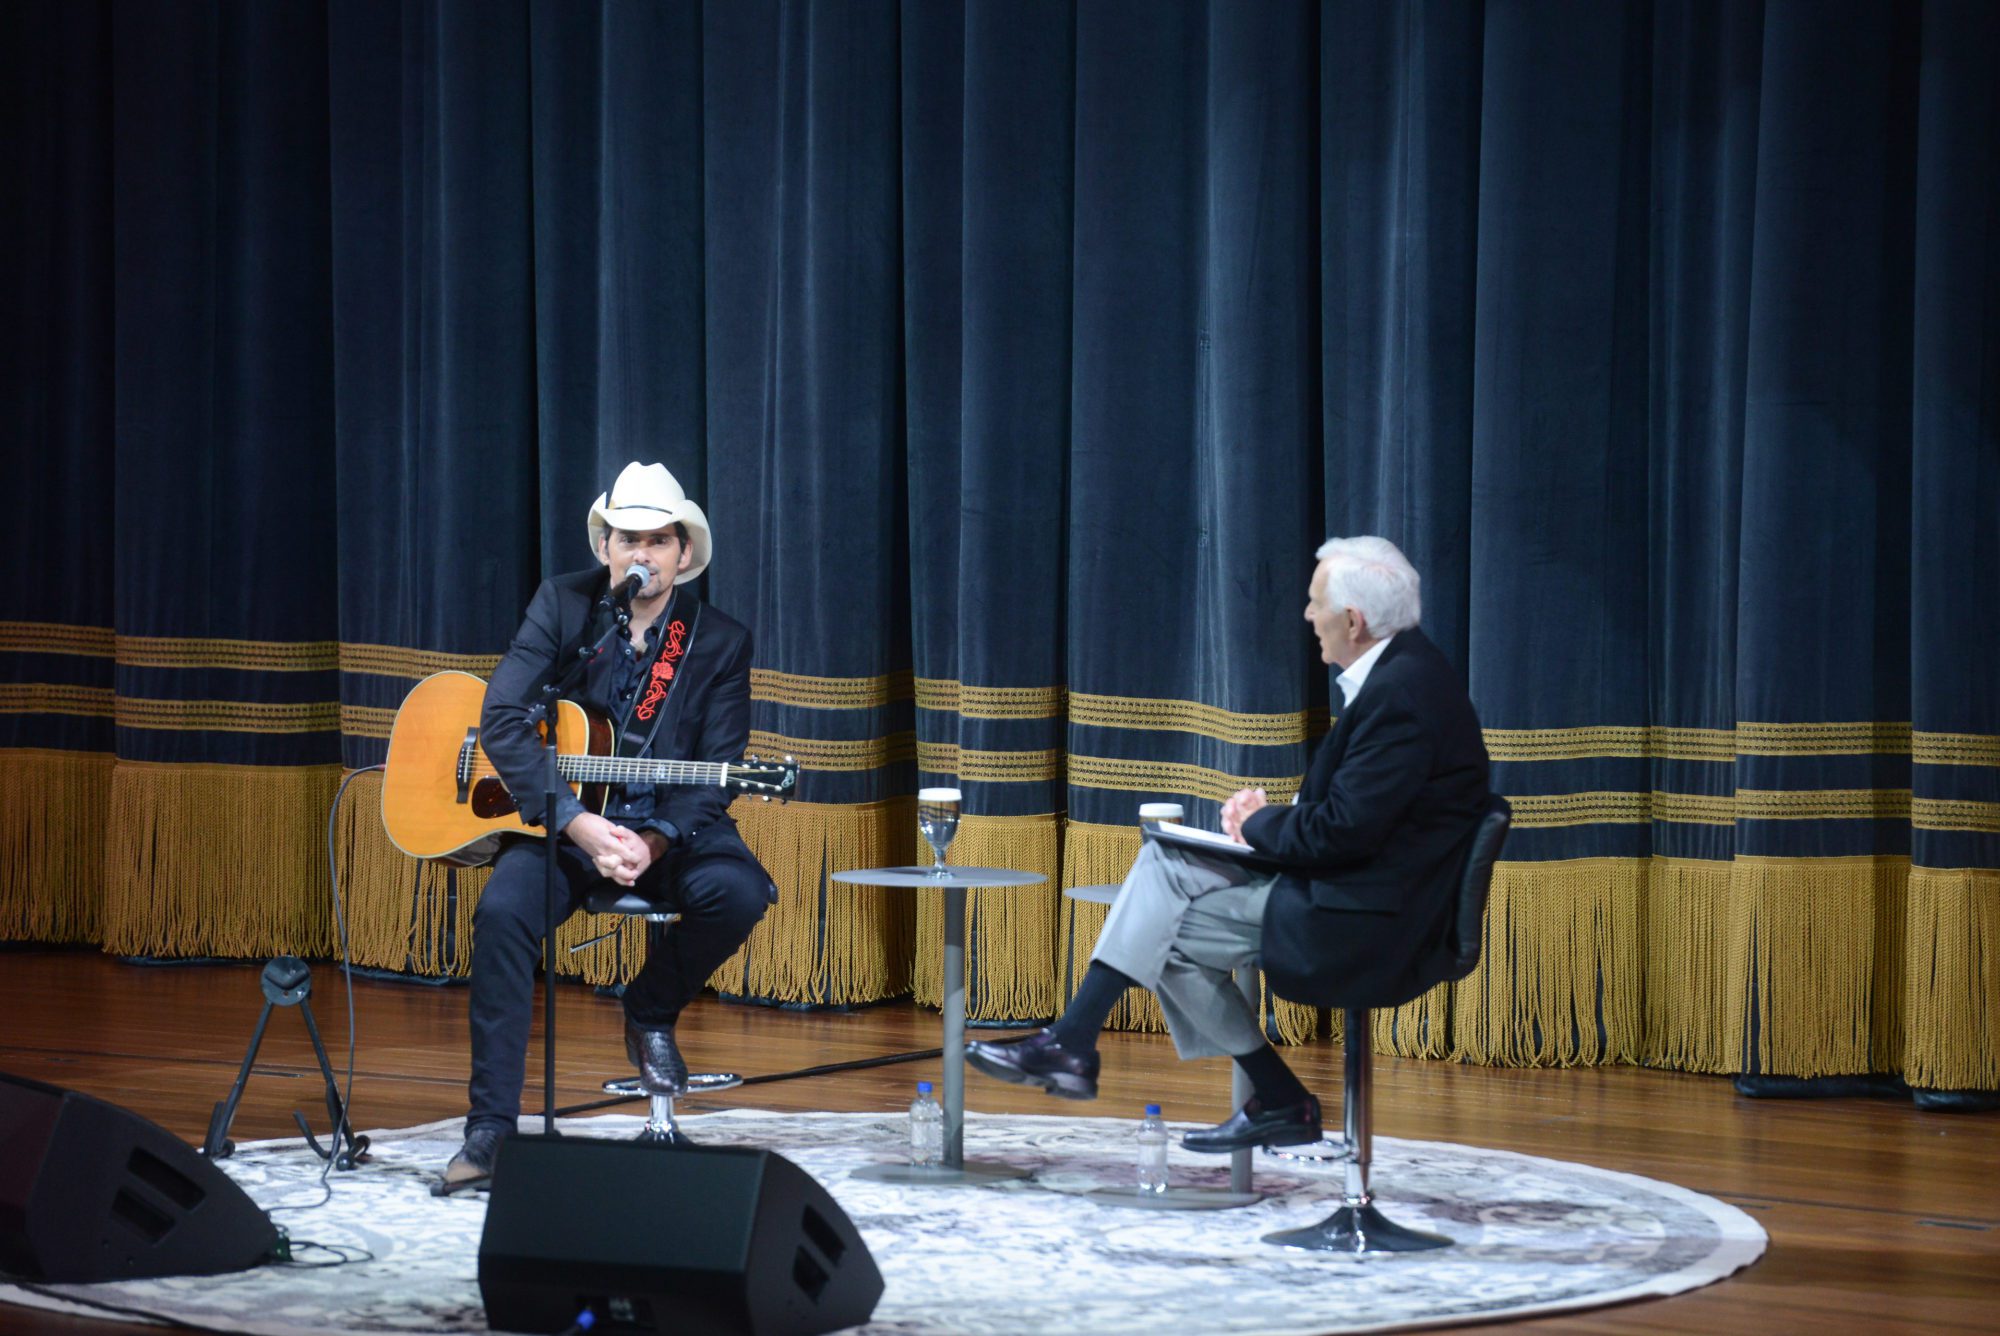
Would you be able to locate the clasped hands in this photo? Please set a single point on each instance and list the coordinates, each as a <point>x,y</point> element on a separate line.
<point>1238,809</point>
<point>618,853</point>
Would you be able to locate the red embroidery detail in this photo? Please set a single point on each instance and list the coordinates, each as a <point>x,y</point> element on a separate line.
<point>673,646</point>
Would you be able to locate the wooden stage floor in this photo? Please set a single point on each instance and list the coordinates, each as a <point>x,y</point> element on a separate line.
<point>1881,1218</point>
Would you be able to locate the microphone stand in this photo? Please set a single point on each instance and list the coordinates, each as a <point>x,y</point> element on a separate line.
<point>545,712</point>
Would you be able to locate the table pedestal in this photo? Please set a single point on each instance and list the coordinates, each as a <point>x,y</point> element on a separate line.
<point>954,1170</point>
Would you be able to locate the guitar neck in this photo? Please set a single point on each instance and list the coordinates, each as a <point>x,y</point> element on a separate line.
<point>640,770</point>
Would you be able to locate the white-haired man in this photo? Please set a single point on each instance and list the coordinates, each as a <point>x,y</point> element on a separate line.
<point>677,687</point>
<point>1345,895</point>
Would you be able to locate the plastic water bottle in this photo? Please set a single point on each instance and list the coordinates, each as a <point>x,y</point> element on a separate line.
<point>926,1128</point>
<point>1153,1151</point>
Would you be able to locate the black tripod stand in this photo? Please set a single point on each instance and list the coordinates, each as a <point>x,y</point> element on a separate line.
<point>287,982</point>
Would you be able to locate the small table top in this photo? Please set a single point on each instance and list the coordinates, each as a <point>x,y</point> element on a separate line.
<point>1096,895</point>
<point>955,878</point>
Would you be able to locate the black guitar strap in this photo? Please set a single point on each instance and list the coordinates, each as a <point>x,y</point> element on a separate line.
<point>658,700</point>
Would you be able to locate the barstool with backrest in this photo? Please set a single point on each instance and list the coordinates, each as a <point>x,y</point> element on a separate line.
<point>1357,1227</point>
<point>660,1125</point>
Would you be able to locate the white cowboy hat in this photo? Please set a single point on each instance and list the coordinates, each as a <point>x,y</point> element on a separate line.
<point>645,498</point>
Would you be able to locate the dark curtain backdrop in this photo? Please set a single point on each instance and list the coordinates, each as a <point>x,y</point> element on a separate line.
<point>1021,354</point>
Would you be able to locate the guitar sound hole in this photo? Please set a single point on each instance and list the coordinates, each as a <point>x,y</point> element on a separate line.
<point>490,799</point>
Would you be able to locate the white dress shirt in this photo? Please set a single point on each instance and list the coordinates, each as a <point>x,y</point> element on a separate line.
<point>1350,681</point>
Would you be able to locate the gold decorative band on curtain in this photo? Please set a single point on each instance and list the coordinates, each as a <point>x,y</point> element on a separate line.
<point>267,656</point>
<point>1545,811</point>
<point>366,721</point>
<point>1186,716</point>
<point>229,716</point>
<point>828,693</point>
<point>396,661</point>
<point>977,702</point>
<point>1956,749</point>
<point>836,754</point>
<point>990,767</point>
<point>55,698</point>
<point>1955,814</point>
<point>56,638</point>
<point>1702,744</point>
<point>1200,781</point>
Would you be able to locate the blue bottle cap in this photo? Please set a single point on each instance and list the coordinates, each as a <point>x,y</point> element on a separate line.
<point>1152,1110</point>
<point>923,1087</point>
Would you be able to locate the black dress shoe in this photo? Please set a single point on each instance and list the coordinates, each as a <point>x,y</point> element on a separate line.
<point>652,1050</point>
<point>1038,1060</point>
<point>1255,1125</point>
<point>472,1168</point>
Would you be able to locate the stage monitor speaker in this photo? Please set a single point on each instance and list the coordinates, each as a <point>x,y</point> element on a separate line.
<point>90,1191</point>
<point>700,1240</point>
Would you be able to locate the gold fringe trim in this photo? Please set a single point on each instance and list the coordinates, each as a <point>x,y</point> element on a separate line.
<point>1951,966</point>
<point>52,809</point>
<point>220,860</point>
<point>1554,933</point>
<point>401,915</point>
<point>859,949</point>
<point>1010,932</point>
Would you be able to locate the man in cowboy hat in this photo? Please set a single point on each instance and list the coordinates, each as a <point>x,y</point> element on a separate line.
<point>677,687</point>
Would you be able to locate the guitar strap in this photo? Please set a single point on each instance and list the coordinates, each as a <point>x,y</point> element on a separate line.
<point>658,701</point>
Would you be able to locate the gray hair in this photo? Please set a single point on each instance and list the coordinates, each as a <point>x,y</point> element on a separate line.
<point>1373,577</point>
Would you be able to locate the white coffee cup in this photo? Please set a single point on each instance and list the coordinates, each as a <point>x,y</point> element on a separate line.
<point>1160,812</point>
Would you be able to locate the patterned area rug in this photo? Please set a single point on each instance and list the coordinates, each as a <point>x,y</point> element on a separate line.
<point>1533,1236</point>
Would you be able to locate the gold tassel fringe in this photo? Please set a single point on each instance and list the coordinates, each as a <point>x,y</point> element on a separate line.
<point>1010,932</point>
<point>223,860</point>
<point>1555,932</point>
<point>826,942</point>
<point>401,915</point>
<point>1951,960</point>
<point>52,830</point>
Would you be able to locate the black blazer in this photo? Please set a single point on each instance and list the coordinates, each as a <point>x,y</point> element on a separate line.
<point>1376,839</point>
<point>709,709</point>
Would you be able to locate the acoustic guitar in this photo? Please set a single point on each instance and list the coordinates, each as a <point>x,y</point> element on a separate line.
<point>442,799</point>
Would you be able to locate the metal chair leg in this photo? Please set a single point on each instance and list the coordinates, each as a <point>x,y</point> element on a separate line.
<point>1357,1228</point>
<point>660,1125</point>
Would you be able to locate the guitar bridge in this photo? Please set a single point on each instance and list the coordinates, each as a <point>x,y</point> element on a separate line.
<point>465,751</point>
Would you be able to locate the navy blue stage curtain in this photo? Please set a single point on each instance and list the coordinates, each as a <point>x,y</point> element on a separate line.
<point>1022,353</point>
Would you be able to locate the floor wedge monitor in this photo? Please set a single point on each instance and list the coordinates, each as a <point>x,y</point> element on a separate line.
<point>90,1191</point>
<point>700,1240</point>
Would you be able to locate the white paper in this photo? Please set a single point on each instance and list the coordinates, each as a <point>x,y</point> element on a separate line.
<point>1201,836</point>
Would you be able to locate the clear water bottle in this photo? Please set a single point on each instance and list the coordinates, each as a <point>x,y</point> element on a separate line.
<point>926,1128</point>
<point>1153,1151</point>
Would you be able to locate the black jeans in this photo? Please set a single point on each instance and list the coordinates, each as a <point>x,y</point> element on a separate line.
<point>714,881</point>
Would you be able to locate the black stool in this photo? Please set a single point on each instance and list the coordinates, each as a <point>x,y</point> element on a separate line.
<point>660,1124</point>
<point>1357,1227</point>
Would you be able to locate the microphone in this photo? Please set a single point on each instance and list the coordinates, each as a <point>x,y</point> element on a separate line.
<point>635,579</point>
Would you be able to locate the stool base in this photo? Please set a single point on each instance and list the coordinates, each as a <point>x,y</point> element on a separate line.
<point>1358,1231</point>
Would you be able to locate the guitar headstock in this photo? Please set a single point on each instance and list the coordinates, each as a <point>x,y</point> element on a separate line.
<point>763,779</point>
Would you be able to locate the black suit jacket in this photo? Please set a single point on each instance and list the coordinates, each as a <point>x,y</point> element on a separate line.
<point>1375,843</point>
<point>709,708</point>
